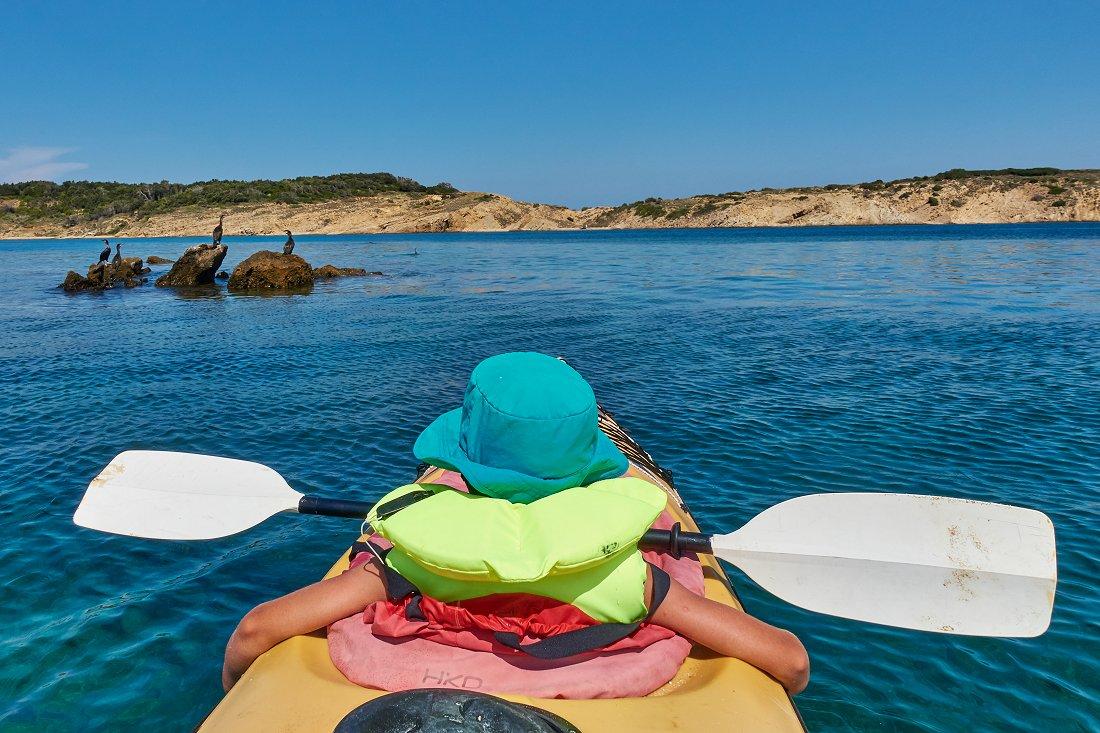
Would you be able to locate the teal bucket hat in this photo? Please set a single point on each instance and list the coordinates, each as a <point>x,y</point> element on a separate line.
<point>527,428</point>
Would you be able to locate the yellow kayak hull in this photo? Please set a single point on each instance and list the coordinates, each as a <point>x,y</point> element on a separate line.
<point>295,687</point>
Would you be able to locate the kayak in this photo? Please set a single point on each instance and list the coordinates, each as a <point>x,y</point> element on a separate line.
<point>295,687</point>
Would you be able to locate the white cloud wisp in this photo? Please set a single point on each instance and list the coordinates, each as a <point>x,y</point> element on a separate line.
<point>36,164</point>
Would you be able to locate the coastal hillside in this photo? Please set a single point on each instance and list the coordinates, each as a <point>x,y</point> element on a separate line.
<point>381,202</point>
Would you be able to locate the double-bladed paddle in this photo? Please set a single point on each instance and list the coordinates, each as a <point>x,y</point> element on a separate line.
<point>917,562</point>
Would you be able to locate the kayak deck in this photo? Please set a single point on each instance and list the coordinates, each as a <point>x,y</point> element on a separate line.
<point>295,687</point>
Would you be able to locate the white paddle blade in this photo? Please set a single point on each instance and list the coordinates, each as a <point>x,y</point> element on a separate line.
<point>182,496</point>
<point>918,562</point>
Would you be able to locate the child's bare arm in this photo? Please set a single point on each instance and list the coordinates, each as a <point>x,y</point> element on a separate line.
<point>305,610</point>
<point>734,633</point>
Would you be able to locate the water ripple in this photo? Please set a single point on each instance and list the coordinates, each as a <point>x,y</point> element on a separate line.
<point>757,365</point>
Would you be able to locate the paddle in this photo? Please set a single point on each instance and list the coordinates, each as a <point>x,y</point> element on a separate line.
<point>918,562</point>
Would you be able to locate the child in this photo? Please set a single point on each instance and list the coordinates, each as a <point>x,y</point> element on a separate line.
<point>527,430</point>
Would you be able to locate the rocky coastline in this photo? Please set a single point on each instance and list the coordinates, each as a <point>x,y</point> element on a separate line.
<point>946,198</point>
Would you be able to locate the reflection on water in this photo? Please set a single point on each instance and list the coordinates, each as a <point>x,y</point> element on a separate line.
<point>197,292</point>
<point>281,293</point>
<point>756,364</point>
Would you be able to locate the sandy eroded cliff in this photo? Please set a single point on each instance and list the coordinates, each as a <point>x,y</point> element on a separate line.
<point>1072,196</point>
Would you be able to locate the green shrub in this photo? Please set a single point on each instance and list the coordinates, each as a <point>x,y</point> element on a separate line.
<point>959,173</point>
<point>90,200</point>
<point>1059,203</point>
<point>1055,190</point>
<point>957,203</point>
<point>648,210</point>
<point>933,201</point>
<point>678,213</point>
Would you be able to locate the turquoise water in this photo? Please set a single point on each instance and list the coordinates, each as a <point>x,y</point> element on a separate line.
<point>756,364</point>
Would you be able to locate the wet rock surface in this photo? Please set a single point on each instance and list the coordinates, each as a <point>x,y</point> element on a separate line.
<point>266,270</point>
<point>196,267</point>
<point>325,272</point>
<point>155,260</point>
<point>222,275</point>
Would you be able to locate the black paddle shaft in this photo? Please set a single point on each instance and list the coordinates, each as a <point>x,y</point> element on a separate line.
<point>671,541</point>
<point>334,507</point>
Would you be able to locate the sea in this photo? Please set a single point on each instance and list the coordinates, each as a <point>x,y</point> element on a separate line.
<point>755,364</point>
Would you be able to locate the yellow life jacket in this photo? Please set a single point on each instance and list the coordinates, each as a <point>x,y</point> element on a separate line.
<point>578,546</point>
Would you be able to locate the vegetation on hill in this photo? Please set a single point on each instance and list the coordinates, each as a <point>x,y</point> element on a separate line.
<point>76,202</point>
<point>41,208</point>
<point>703,204</point>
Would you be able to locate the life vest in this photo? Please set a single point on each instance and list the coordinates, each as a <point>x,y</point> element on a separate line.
<point>383,648</point>
<point>576,547</point>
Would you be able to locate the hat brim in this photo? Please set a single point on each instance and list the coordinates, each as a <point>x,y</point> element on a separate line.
<point>439,446</point>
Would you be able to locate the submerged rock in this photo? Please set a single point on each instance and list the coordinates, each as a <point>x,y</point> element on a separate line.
<point>222,275</point>
<point>154,260</point>
<point>196,267</point>
<point>328,271</point>
<point>267,270</point>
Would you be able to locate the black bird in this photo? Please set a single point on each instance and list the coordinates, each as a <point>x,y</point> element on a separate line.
<point>218,231</point>
<point>118,253</point>
<point>106,253</point>
<point>288,247</point>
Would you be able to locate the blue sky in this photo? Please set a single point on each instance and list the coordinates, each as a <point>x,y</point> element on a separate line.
<point>575,103</point>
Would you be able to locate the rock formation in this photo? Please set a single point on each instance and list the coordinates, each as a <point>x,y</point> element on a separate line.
<point>128,267</point>
<point>96,280</point>
<point>222,275</point>
<point>154,260</point>
<point>324,272</point>
<point>126,272</point>
<point>267,270</point>
<point>196,267</point>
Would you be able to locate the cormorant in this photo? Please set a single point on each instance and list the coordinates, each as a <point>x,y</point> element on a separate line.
<point>106,253</point>
<point>118,253</point>
<point>288,247</point>
<point>218,231</point>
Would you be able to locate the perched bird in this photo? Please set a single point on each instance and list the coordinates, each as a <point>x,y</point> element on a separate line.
<point>106,253</point>
<point>118,253</point>
<point>288,247</point>
<point>218,231</point>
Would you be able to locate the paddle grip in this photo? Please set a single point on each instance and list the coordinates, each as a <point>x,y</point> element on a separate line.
<point>675,542</point>
<point>334,507</point>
